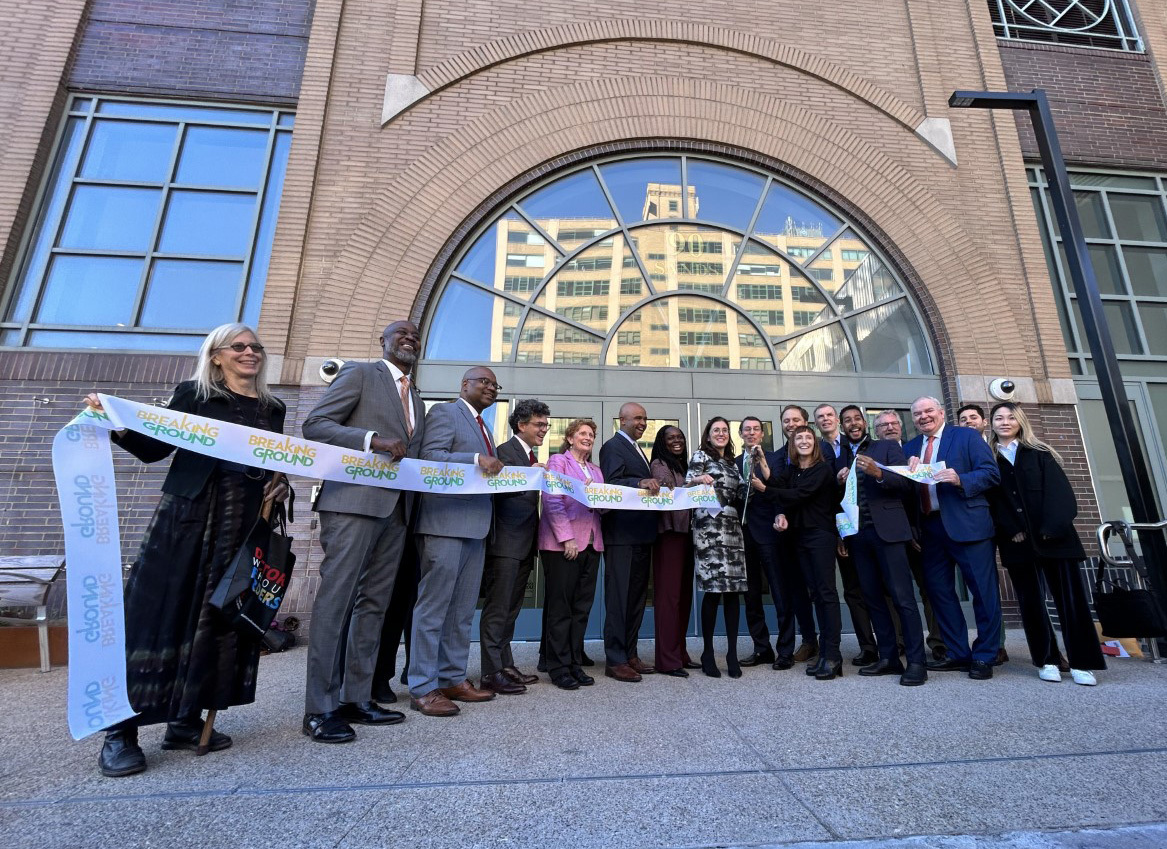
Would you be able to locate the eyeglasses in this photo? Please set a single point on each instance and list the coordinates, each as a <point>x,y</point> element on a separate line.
<point>486,381</point>
<point>240,347</point>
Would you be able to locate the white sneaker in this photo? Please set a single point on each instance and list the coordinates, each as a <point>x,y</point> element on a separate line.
<point>1083,677</point>
<point>1049,672</point>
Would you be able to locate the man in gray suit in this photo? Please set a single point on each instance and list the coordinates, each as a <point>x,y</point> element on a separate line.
<point>451,537</point>
<point>368,407</point>
<point>511,554</point>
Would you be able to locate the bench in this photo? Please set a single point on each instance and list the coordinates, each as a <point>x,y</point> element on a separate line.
<point>25,582</point>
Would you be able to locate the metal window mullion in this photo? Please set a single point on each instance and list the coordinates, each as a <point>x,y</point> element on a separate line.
<point>1129,298</point>
<point>156,234</point>
<point>628,242</point>
<point>531,304</point>
<point>553,242</point>
<point>256,217</point>
<point>741,251</point>
<point>1055,241</point>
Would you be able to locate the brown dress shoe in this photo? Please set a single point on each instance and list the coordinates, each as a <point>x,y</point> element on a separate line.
<point>498,682</point>
<point>434,703</point>
<point>466,692</point>
<point>640,666</point>
<point>519,677</point>
<point>805,652</point>
<point>622,672</point>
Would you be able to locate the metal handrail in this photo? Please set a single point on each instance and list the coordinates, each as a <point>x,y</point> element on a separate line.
<point>1107,529</point>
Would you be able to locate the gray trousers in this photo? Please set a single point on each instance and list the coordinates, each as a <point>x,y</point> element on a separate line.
<point>504,583</point>
<point>450,574</point>
<point>361,556</point>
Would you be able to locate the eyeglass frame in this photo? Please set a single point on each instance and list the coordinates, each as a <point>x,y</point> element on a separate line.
<point>240,347</point>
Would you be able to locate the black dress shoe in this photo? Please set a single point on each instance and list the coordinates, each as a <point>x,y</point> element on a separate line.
<point>829,670</point>
<point>940,653</point>
<point>384,694</point>
<point>883,667</point>
<point>690,664</point>
<point>913,676</point>
<point>565,681</point>
<point>783,663</point>
<point>582,677</point>
<point>815,665</point>
<point>980,671</point>
<point>757,658</point>
<point>328,728</point>
<point>186,734</point>
<point>120,754</point>
<point>368,713</point>
<point>519,677</point>
<point>675,673</point>
<point>948,665</point>
<point>709,665</point>
<point>865,658</point>
<point>587,661</point>
<point>501,683</point>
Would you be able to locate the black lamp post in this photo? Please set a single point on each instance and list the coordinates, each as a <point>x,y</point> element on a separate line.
<point>1132,463</point>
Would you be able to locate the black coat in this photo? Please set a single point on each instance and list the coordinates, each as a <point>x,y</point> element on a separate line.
<point>189,472</point>
<point>885,499</point>
<point>761,507</point>
<point>624,465</point>
<point>516,514</point>
<point>1035,497</point>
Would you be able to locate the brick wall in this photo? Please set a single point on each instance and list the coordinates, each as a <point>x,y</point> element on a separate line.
<point>1107,105</point>
<point>248,50</point>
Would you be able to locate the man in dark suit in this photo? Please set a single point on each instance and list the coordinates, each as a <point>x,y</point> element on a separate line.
<point>510,554</point>
<point>879,551</point>
<point>754,465</point>
<point>628,539</point>
<point>827,419</point>
<point>957,531</point>
<point>451,533</point>
<point>368,407</point>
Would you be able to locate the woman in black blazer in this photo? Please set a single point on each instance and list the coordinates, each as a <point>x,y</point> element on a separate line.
<point>182,657</point>
<point>1034,510</point>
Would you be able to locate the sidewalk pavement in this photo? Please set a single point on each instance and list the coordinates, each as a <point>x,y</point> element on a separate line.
<point>774,758</point>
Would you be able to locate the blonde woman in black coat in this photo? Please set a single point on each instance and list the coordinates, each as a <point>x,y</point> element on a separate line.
<point>1034,510</point>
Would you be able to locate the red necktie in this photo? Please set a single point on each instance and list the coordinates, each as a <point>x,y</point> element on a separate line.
<point>485,436</point>
<point>925,496</point>
<point>534,459</point>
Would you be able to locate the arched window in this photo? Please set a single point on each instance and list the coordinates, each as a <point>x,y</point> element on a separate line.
<point>676,262</point>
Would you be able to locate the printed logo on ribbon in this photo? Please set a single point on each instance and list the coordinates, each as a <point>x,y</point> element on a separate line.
<point>507,479</point>
<point>363,466</point>
<point>443,477</point>
<point>282,450</point>
<point>192,429</point>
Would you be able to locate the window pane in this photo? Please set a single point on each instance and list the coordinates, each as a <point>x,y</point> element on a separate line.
<point>1092,215</point>
<point>1138,218</point>
<point>723,193</point>
<point>545,340</point>
<point>890,340</point>
<point>688,332</point>
<point>823,350</point>
<point>596,286</point>
<point>261,256</point>
<point>198,295</point>
<point>577,195</point>
<point>76,339</point>
<point>854,275</point>
<point>111,219</point>
<point>644,189</point>
<point>458,330</point>
<point>216,156</point>
<point>1121,321</point>
<point>1154,318</point>
<point>686,257</point>
<point>207,224</point>
<point>90,290</point>
<point>1104,260</point>
<point>184,113</point>
<point>129,151</point>
<point>1147,268</point>
<point>788,217</point>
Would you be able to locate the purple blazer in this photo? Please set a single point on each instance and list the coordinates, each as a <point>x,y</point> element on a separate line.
<point>565,518</point>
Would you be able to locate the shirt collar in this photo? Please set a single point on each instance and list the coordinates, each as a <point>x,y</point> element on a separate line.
<point>395,372</point>
<point>473,411</point>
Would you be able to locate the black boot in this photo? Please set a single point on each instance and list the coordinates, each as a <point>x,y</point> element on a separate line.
<point>829,669</point>
<point>121,754</point>
<point>709,665</point>
<point>185,734</point>
<point>815,666</point>
<point>729,610</point>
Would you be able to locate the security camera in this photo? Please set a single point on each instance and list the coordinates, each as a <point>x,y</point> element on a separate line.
<point>329,369</point>
<point>1003,389</point>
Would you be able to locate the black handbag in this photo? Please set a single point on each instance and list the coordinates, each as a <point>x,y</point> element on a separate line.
<point>254,584</point>
<point>1125,610</point>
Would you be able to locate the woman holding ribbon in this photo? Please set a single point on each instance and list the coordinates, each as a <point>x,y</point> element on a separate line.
<point>718,544</point>
<point>181,656</point>
<point>672,559</point>
<point>570,542</point>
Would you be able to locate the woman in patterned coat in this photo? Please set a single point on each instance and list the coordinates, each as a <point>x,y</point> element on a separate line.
<point>719,548</point>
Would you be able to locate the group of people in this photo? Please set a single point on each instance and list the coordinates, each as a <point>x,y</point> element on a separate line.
<point>400,565</point>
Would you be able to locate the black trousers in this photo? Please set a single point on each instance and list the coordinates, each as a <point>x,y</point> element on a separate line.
<point>569,590</point>
<point>504,584</point>
<point>763,558</point>
<point>857,604</point>
<point>398,619</point>
<point>883,571</point>
<point>795,588</point>
<point>626,572</point>
<point>1063,579</point>
<point>816,557</point>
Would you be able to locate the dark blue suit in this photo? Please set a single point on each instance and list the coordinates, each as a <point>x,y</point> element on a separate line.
<point>960,534</point>
<point>762,560</point>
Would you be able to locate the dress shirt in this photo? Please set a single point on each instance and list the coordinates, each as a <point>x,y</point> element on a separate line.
<point>476,415</point>
<point>933,498</point>
<point>837,444</point>
<point>1009,451</point>
<point>636,445</point>
<point>396,374</point>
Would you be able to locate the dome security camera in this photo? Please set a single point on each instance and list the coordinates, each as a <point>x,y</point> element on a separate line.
<point>330,368</point>
<point>1003,389</point>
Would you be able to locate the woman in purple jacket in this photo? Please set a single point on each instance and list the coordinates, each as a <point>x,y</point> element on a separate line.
<point>569,546</point>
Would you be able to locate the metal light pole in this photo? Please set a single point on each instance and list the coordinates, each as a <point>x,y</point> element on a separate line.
<point>1132,463</point>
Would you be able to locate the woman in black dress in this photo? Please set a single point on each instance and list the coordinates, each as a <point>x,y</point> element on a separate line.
<point>1034,510</point>
<point>808,496</point>
<point>181,656</point>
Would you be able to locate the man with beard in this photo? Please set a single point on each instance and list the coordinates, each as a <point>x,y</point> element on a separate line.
<point>368,407</point>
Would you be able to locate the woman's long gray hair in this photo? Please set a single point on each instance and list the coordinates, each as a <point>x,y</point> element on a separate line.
<point>209,376</point>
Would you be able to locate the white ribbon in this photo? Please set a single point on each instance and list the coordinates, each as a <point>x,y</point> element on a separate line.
<point>847,521</point>
<point>83,467</point>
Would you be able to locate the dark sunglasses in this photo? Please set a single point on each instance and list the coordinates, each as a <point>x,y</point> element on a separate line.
<point>240,347</point>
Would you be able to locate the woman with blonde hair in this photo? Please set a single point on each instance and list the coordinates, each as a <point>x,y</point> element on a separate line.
<point>182,657</point>
<point>1034,510</point>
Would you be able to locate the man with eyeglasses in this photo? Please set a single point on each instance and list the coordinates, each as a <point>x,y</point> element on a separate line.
<point>368,407</point>
<point>451,540</point>
<point>511,554</point>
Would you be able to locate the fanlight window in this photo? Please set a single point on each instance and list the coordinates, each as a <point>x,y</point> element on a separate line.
<point>676,262</point>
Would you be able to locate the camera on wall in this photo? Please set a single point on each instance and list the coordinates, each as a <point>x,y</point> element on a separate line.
<point>330,368</point>
<point>1003,389</point>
